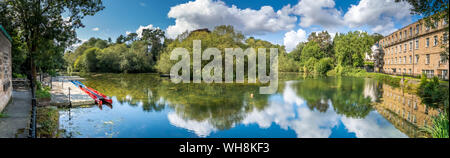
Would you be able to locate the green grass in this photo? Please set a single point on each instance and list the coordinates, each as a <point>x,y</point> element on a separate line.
<point>42,91</point>
<point>440,126</point>
<point>2,115</point>
<point>48,119</point>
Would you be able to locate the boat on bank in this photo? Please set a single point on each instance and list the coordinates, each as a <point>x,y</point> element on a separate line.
<point>94,94</point>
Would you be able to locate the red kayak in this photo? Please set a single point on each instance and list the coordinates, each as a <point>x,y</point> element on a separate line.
<point>97,96</point>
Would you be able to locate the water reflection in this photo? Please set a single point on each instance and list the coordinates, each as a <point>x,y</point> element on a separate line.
<point>146,105</point>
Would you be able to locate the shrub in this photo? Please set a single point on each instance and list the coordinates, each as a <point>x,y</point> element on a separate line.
<point>309,65</point>
<point>324,65</point>
<point>42,91</point>
<point>431,93</point>
<point>440,126</point>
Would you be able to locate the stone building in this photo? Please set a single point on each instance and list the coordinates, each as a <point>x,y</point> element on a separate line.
<point>5,68</point>
<point>416,49</point>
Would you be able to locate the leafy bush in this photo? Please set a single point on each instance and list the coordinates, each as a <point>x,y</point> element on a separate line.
<point>42,91</point>
<point>440,126</point>
<point>431,93</point>
<point>324,65</point>
<point>16,75</point>
<point>308,67</point>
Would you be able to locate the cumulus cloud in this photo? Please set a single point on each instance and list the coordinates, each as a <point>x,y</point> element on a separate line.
<point>318,12</point>
<point>95,29</point>
<point>141,29</point>
<point>201,129</point>
<point>291,112</point>
<point>372,126</point>
<point>378,15</point>
<point>208,14</point>
<point>292,38</point>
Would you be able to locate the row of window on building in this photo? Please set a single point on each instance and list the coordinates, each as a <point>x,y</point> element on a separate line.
<point>405,60</point>
<point>400,35</point>
<point>404,48</point>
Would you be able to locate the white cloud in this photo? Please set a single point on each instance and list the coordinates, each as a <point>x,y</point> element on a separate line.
<point>95,29</point>
<point>201,129</point>
<point>208,14</point>
<point>318,12</point>
<point>292,38</point>
<point>141,29</point>
<point>142,4</point>
<point>372,126</point>
<point>378,15</point>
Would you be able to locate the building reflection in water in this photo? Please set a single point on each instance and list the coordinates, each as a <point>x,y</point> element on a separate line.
<point>405,111</point>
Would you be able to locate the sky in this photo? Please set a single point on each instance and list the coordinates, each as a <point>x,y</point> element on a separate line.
<point>285,22</point>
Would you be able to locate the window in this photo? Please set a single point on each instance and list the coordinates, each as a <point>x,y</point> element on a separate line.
<point>435,40</point>
<point>395,61</point>
<point>400,35</point>
<point>436,24</point>
<point>410,32</point>
<point>427,59</point>
<point>427,42</point>
<point>406,45</point>
<point>410,72</point>
<point>445,40</point>
<point>417,59</point>
<point>400,48</point>
<point>410,46</point>
<point>410,59</point>
<point>417,29</point>
<point>417,44</point>
<point>404,60</point>
<point>443,59</point>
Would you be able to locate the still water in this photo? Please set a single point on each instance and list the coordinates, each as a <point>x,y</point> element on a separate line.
<point>148,106</point>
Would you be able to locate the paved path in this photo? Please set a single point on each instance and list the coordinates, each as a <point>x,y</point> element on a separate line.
<point>17,121</point>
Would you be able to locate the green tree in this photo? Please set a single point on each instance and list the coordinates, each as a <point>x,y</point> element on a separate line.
<point>312,50</point>
<point>40,21</point>
<point>350,48</point>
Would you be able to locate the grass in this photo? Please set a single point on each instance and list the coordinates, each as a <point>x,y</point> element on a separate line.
<point>47,118</point>
<point>440,126</point>
<point>3,115</point>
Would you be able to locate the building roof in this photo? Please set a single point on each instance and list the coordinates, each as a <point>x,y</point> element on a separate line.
<point>5,33</point>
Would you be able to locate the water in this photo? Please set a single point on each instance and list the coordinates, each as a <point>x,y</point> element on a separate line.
<point>147,106</point>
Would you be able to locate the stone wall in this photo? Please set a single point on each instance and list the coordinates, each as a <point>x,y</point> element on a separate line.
<point>5,70</point>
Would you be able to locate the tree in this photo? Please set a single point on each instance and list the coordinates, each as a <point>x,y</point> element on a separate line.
<point>153,38</point>
<point>120,39</point>
<point>131,37</point>
<point>350,48</point>
<point>324,40</point>
<point>39,21</point>
<point>312,50</point>
<point>296,53</point>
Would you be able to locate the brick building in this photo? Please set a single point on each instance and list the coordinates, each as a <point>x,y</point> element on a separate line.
<point>416,49</point>
<point>5,68</point>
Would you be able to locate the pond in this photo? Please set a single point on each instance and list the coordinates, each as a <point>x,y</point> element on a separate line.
<point>148,106</point>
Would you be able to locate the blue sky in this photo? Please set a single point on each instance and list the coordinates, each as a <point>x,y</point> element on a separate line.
<point>284,22</point>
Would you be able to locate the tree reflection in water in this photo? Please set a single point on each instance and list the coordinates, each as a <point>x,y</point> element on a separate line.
<point>311,107</point>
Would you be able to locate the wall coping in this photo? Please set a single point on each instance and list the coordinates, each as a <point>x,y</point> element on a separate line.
<point>5,33</point>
